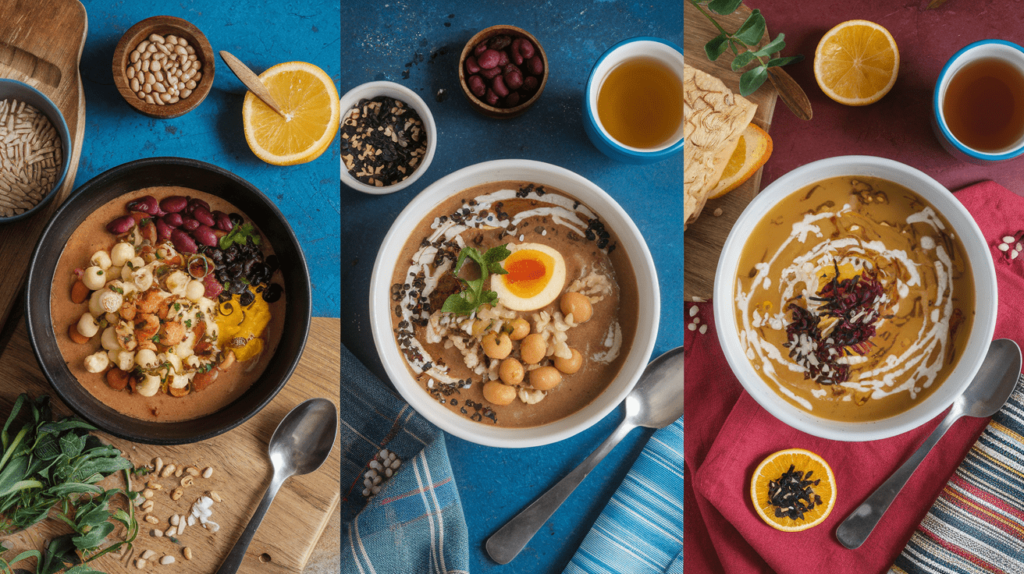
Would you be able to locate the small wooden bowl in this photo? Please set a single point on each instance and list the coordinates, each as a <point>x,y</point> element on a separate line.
<point>482,106</point>
<point>164,25</point>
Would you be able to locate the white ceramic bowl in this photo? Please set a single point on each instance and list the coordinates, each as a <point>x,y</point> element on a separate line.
<point>984,285</point>
<point>399,92</point>
<point>614,218</point>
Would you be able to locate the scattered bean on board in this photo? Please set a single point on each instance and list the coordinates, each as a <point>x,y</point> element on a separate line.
<point>163,70</point>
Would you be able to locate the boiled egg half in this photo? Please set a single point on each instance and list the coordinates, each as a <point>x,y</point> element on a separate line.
<point>535,278</point>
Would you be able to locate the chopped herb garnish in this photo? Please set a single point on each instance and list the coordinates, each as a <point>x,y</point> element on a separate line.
<point>155,338</point>
<point>177,306</point>
<point>474,295</point>
<point>117,289</point>
<point>188,323</point>
<point>240,235</point>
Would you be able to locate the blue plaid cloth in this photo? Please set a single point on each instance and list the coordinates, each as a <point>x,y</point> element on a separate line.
<point>414,524</point>
<point>641,529</point>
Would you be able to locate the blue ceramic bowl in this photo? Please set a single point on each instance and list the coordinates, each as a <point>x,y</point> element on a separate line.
<point>1001,49</point>
<point>646,46</point>
<point>33,97</point>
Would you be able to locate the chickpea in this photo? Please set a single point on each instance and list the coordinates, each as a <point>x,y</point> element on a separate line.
<point>569,366</point>
<point>511,371</point>
<point>520,329</point>
<point>498,393</point>
<point>545,378</point>
<point>496,345</point>
<point>578,305</point>
<point>533,349</point>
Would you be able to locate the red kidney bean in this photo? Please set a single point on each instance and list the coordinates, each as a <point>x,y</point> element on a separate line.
<point>530,84</point>
<point>223,221</point>
<point>491,98</point>
<point>490,73</point>
<point>183,242</point>
<point>477,86</point>
<point>535,66</point>
<point>471,66</point>
<point>205,235</point>
<point>145,204</point>
<point>121,225</point>
<point>499,42</point>
<point>498,85</point>
<point>489,59</point>
<point>188,224</point>
<point>502,59</point>
<point>480,48</point>
<point>163,231</point>
<point>513,77</point>
<point>512,100</point>
<point>213,287</point>
<point>194,202</point>
<point>174,204</point>
<point>526,48</point>
<point>203,215</point>
<point>517,57</point>
<point>172,219</point>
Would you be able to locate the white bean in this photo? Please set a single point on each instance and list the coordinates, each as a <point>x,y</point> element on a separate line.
<point>159,75</point>
<point>186,93</point>
<point>141,94</point>
<point>145,65</point>
<point>151,48</point>
<point>171,39</point>
<point>149,99</point>
<point>190,49</point>
<point>156,38</point>
<point>155,66</point>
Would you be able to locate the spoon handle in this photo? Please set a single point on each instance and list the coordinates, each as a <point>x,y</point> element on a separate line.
<point>507,542</point>
<point>250,79</point>
<point>233,562</point>
<point>859,524</point>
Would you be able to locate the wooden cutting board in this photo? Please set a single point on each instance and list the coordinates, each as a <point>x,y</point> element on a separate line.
<point>242,472</point>
<point>41,45</point>
<point>703,239</point>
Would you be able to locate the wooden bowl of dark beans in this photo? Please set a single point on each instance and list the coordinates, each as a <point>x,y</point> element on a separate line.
<point>503,70</point>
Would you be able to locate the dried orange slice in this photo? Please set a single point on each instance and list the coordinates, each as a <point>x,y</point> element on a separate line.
<point>309,100</point>
<point>856,63</point>
<point>792,471</point>
<point>753,149</point>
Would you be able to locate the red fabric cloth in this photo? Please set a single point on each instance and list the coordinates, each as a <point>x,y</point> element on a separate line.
<point>728,434</point>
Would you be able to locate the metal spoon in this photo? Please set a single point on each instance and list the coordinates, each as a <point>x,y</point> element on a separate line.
<point>655,402</point>
<point>986,394</point>
<point>302,442</point>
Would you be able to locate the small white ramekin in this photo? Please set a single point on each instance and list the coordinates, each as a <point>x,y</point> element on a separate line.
<point>614,218</point>
<point>985,297</point>
<point>371,90</point>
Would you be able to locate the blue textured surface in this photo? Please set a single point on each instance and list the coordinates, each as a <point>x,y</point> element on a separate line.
<point>261,34</point>
<point>379,41</point>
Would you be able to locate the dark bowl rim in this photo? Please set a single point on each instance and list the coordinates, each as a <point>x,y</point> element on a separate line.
<point>65,134</point>
<point>100,181</point>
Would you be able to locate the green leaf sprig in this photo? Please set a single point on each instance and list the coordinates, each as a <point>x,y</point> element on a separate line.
<point>56,465</point>
<point>467,301</point>
<point>240,235</point>
<point>743,44</point>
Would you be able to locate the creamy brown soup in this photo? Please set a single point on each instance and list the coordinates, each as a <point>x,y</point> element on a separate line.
<point>560,255</point>
<point>854,299</point>
<point>230,382</point>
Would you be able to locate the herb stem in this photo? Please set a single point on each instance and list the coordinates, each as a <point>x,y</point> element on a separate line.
<point>708,16</point>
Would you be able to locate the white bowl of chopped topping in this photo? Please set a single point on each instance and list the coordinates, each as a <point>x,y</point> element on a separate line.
<point>475,366</point>
<point>855,298</point>
<point>30,124</point>
<point>388,137</point>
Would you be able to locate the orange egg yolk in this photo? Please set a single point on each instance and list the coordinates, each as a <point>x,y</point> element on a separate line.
<point>529,271</point>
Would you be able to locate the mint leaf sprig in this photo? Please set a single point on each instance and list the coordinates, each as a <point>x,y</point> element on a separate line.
<point>467,301</point>
<point>745,39</point>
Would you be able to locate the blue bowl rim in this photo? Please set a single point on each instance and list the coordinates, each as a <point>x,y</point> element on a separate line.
<point>941,121</point>
<point>62,129</point>
<point>672,149</point>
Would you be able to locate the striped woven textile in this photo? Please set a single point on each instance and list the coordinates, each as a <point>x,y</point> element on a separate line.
<point>640,531</point>
<point>977,523</point>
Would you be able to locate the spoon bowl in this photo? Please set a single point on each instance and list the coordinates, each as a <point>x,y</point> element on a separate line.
<point>301,443</point>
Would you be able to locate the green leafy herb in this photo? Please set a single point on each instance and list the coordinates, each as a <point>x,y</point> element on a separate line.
<point>140,471</point>
<point>474,295</point>
<point>50,465</point>
<point>745,38</point>
<point>240,236</point>
<point>117,289</point>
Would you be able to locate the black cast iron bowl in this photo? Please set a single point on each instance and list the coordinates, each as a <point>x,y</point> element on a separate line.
<point>168,171</point>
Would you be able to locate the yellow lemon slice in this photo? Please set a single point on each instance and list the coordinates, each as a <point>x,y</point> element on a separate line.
<point>779,471</point>
<point>309,100</point>
<point>856,63</point>
<point>753,149</point>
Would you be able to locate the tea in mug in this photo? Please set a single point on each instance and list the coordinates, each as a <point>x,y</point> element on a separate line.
<point>984,105</point>
<point>640,103</point>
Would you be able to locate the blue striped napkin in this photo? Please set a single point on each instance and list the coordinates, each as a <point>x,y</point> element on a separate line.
<point>414,522</point>
<point>641,529</point>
